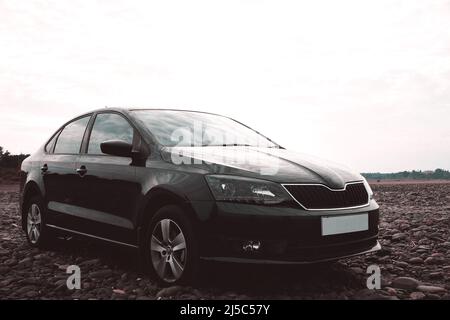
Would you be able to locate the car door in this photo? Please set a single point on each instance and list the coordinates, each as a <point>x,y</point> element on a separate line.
<point>58,169</point>
<point>108,188</point>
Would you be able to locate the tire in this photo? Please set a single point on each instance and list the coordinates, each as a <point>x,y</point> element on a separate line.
<point>36,232</point>
<point>171,257</point>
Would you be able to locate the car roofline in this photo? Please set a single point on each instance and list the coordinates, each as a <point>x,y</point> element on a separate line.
<point>123,109</point>
<point>175,109</point>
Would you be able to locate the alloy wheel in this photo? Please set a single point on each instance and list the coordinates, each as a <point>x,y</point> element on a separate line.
<point>168,250</point>
<point>34,223</point>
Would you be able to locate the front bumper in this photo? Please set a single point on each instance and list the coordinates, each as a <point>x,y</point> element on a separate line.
<point>375,248</point>
<point>286,235</point>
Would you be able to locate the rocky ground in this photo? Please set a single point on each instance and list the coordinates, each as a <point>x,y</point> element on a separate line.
<point>414,262</point>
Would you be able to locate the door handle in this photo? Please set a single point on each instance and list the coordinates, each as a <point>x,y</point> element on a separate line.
<point>82,171</point>
<point>44,168</point>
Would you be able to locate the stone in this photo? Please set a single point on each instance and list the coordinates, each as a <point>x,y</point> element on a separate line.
<point>405,283</point>
<point>24,289</point>
<point>357,270</point>
<point>100,273</point>
<point>90,262</point>
<point>431,289</point>
<point>436,275</point>
<point>432,260</point>
<point>169,292</point>
<point>144,298</point>
<point>62,267</point>
<point>42,257</point>
<point>32,294</point>
<point>118,291</point>
<point>25,261</point>
<point>402,264</point>
<point>417,296</point>
<point>383,297</point>
<point>10,262</point>
<point>391,291</point>
<point>416,260</point>
<point>399,236</point>
<point>385,251</point>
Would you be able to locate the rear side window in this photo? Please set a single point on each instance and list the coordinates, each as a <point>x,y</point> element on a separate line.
<point>109,126</point>
<point>69,141</point>
<point>49,146</point>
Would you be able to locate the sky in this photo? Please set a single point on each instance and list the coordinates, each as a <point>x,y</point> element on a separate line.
<point>363,83</point>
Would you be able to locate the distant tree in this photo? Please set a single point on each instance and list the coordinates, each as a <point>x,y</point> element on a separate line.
<point>7,160</point>
<point>438,174</point>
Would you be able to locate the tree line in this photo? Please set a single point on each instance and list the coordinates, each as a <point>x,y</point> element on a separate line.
<point>414,175</point>
<point>8,160</point>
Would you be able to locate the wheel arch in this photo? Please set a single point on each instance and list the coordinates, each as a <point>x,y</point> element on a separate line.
<point>158,197</point>
<point>30,190</point>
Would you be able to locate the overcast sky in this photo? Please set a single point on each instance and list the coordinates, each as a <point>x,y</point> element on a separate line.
<point>364,83</point>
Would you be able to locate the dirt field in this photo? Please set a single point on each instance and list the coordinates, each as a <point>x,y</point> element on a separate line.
<point>414,262</point>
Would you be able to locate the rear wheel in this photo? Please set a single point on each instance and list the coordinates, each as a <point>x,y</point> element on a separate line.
<point>34,217</point>
<point>170,247</point>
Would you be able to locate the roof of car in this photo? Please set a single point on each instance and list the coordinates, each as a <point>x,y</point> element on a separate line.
<point>121,109</point>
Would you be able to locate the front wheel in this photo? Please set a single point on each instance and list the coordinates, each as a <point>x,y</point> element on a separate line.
<point>170,247</point>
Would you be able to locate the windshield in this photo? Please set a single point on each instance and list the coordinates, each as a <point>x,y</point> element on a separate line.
<point>185,129</point>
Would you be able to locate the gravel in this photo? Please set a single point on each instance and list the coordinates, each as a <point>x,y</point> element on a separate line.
<point>414,262</point>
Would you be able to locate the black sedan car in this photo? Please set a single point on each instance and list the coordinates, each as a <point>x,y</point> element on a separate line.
<point>182,186</point>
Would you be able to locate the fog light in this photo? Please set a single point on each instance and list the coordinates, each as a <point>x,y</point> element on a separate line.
<point>251,246</point>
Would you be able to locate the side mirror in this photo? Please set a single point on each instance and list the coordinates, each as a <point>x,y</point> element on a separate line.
<point>117,148</point>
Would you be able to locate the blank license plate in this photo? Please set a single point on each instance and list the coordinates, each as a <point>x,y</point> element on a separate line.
<point>345,224</point>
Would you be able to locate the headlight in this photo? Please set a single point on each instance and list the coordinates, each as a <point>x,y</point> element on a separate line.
<point>368,188</point>
<point>246,190</point>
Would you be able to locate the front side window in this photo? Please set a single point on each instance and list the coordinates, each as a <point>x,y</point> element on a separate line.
<point>109,126</point>
<point>69,141</point>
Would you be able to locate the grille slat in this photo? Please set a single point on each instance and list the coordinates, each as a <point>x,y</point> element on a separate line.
<point>315,197</point>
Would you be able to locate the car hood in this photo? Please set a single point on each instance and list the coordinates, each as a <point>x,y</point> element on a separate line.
<point>272,164</point>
